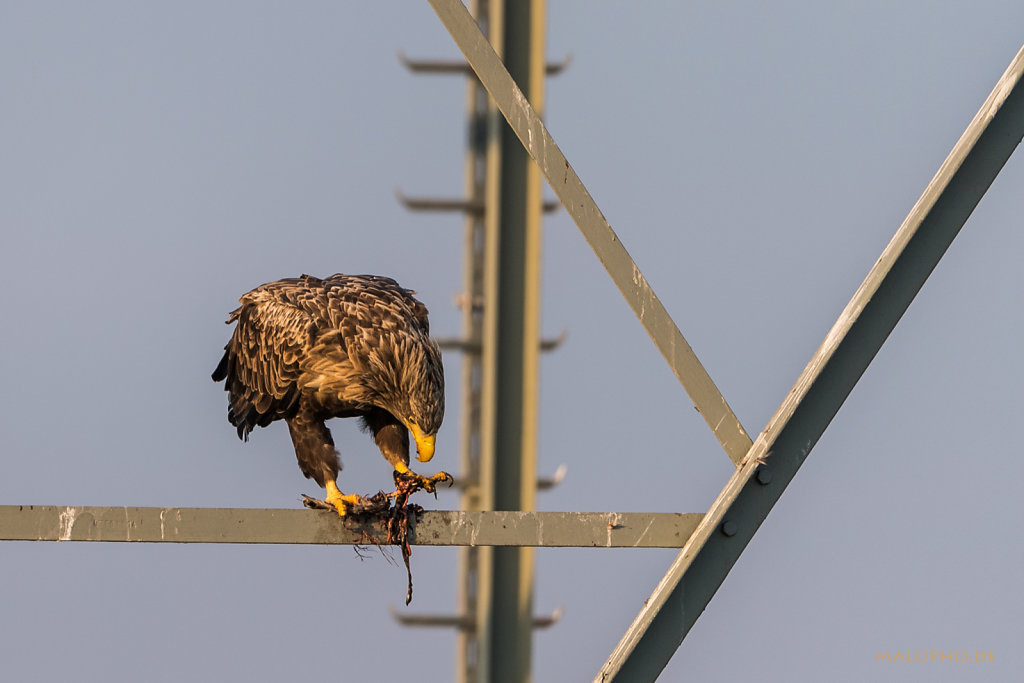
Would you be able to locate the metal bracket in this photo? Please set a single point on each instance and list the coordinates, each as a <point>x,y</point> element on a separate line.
<point>543,483</point>
<point>463,622</point>
<point>449,66</point>
<point>474,346</point>
<point>474,206</point>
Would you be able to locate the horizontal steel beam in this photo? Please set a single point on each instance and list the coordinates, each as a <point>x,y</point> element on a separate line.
<point>253,525</point>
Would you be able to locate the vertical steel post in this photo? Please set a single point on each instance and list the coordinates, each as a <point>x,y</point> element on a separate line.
<point>510,350</point>
<point>477,111</point>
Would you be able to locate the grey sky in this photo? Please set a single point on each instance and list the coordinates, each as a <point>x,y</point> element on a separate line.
<point>158,161</point>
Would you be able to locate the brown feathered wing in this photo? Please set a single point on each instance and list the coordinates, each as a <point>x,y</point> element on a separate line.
<point>335,339</point>
<point>261,362</point>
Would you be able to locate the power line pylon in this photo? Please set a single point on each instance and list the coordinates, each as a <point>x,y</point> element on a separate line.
<point>500,344</point>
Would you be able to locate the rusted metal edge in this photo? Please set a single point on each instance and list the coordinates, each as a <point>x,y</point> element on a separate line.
<point>254,525</point>
<point>595,228</point>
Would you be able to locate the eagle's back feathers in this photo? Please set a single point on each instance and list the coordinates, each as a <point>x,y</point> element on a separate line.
<point>344,344</point>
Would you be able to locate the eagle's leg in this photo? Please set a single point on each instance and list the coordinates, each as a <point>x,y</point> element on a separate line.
<point>393,441</point>
<point>318,460</point>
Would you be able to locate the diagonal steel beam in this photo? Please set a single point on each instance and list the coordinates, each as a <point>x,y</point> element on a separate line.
<point>863,326</point>
<point>595,228</point>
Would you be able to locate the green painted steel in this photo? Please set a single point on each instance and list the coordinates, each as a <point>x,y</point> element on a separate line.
<point>511,353</point>
<point>823,386</point>
<point>595,228</point>
<point>323,527</point>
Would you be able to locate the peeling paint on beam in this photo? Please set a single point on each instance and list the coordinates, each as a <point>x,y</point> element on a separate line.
<point>318,527</point>
<point>557,529</point>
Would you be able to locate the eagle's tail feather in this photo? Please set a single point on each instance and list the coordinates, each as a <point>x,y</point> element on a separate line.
<point>221,373</point>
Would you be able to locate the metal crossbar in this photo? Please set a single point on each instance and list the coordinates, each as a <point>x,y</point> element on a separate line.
<point>253,525</point>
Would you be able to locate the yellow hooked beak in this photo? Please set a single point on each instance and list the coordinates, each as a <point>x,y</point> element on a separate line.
<point>424,442</point>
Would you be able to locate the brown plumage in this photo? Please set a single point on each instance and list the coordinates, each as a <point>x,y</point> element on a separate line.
<point>305,350</point>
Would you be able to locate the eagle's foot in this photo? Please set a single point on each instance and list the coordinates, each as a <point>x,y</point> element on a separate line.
<point>343,504</point>
<point>415,482</point>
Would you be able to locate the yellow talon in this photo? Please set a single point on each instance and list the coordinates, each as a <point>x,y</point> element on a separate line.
<point>342,503</point>
<point>428,484</point>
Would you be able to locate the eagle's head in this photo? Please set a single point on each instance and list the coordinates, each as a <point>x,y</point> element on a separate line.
<point>417,399</point>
